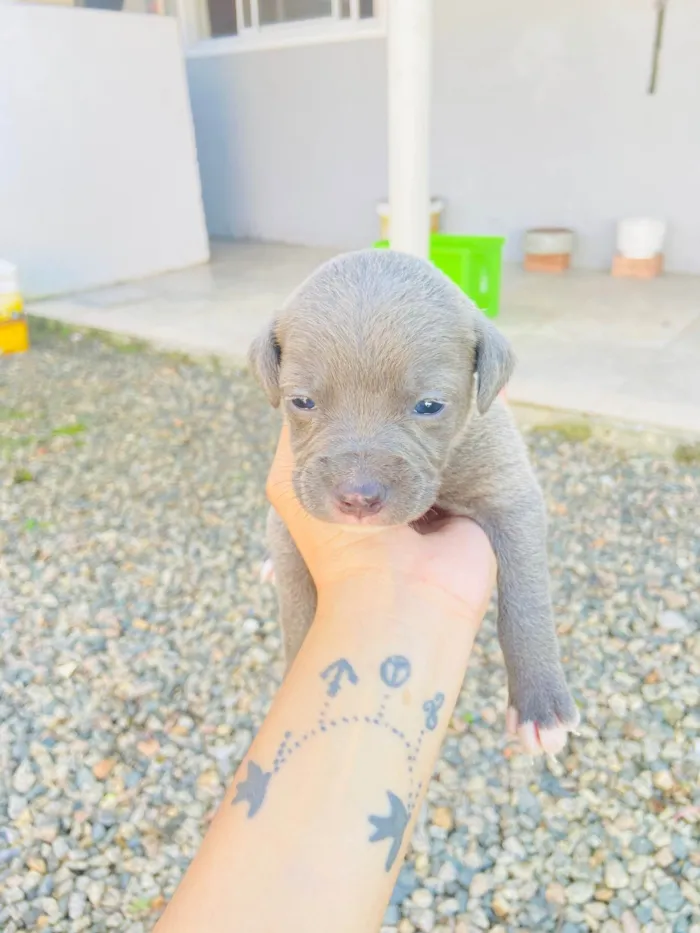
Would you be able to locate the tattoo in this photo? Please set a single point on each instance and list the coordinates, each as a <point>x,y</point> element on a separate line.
<point>394,672</point>
<point>391,827</point>
<point>337,671</point>
<point>431,709</point>
<point>253,789</point>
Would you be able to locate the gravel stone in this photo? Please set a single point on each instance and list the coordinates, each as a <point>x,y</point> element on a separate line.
<point>421,897</point>
<point>674,621</point>
<point>7,855</point>
<point>670,897</point>
<point>663,780</point>
<point>13,895</point>
<point>481,884</point>
<point>615,874</point>
<point>424,920</point>
<point>442,817</point>
<point>580,892</point>
<point>76,905</point>
<point>448,873</point>
<point>641,846</point>
<point>24,778</point>
<point>141,652</point>
<point>448,907</point>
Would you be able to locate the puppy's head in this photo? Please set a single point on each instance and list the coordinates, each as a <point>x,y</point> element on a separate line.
<point>373,359</point>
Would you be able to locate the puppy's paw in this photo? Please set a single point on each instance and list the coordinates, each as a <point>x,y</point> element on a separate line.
<point>267,571</point>
<point>542,714</point>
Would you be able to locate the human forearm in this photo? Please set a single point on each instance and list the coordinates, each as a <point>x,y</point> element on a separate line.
<point>314,827</point>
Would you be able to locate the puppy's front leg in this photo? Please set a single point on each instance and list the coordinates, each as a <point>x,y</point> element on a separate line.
<point>296,593</point>
<point>540,707</point>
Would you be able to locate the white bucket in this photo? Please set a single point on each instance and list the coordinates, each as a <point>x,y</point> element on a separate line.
<point>9,280</point>
<point>549,241</point>
<point>640,237</point>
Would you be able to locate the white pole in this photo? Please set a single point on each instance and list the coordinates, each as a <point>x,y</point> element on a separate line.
<point>409,47</point>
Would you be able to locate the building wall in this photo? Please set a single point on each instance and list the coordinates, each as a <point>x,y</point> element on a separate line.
<point>292,142</point>
<point>541,117</point>
<point>98,171</point>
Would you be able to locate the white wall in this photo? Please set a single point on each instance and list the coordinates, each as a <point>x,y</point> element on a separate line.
<point>98,172</point>
<point>540,117</point>
<point>292,142</point>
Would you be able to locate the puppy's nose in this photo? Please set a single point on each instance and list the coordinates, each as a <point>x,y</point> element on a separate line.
<point>360,499</point>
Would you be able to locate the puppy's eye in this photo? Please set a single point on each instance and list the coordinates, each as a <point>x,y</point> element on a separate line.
<point>428,406</point>
<point>303,403</point>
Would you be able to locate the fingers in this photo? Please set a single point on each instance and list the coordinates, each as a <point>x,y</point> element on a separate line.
<point>464,534</point>
<point>466,552</point>
<point>308,533</point>
<point>280,488</point>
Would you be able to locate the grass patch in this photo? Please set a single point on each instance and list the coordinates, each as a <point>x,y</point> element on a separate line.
<point>178,357</point>
<point>10,444</point>
<point>687,454</point>
<point>22,475</point>
<point>12,414</point>
<point>46,327</point>
<point>140,905</point>
<point>216,365</point>
<point>69,430</point>
<point>33,524</point>
<point>122,343</point>
<point>41,327</point>
<point>127,345</point>
<point>575,432</point>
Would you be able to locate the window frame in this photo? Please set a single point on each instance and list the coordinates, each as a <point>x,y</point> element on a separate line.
<point>191,13</point>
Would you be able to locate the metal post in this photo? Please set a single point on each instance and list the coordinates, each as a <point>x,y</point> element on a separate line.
<point>409,47</point>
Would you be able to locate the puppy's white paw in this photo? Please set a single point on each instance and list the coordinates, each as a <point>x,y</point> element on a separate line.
<point>537,740</point>
<point>267,571</point>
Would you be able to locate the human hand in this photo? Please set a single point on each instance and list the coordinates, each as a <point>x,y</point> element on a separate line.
<point>451,557</point>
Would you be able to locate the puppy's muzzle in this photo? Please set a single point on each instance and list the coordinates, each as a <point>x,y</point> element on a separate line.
<point>360,499</point>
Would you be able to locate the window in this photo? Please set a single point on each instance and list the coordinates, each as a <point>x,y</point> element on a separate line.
<point>267,23</point>
<point>158,7</point>
<point>290,11</point>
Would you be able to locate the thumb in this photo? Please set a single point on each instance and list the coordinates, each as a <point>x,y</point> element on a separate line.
<point>280,486</point>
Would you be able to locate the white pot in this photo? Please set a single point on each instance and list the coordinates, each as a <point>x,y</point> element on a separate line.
<point>640,237</point>
<point>549,241</point>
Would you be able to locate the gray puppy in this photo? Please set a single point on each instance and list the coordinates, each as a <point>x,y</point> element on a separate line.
<point>374,358</point>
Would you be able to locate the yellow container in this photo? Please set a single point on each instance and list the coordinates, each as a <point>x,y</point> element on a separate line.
<point>14,331</point>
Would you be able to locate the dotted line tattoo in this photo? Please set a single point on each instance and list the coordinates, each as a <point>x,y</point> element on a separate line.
<point>394,672</point>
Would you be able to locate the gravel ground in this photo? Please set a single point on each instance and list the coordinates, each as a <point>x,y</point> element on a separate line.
<point>140,655</point>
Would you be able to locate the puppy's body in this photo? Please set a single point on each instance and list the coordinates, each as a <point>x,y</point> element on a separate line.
<point>367,341</point>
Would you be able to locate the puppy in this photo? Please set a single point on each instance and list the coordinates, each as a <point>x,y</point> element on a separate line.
<point>389,377</point>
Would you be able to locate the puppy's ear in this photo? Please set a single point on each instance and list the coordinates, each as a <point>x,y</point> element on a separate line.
<point>493,363</point>
<point>264,359</point>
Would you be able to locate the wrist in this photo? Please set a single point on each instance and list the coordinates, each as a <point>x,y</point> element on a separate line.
<point>378,598</point>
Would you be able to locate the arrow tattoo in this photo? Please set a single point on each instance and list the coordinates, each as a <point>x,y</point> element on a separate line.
<point>336,673</point>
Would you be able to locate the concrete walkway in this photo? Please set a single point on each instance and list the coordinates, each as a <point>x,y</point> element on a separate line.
<point>621,349</point>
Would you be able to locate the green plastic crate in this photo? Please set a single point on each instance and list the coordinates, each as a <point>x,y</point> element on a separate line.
<point>472,262</point>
